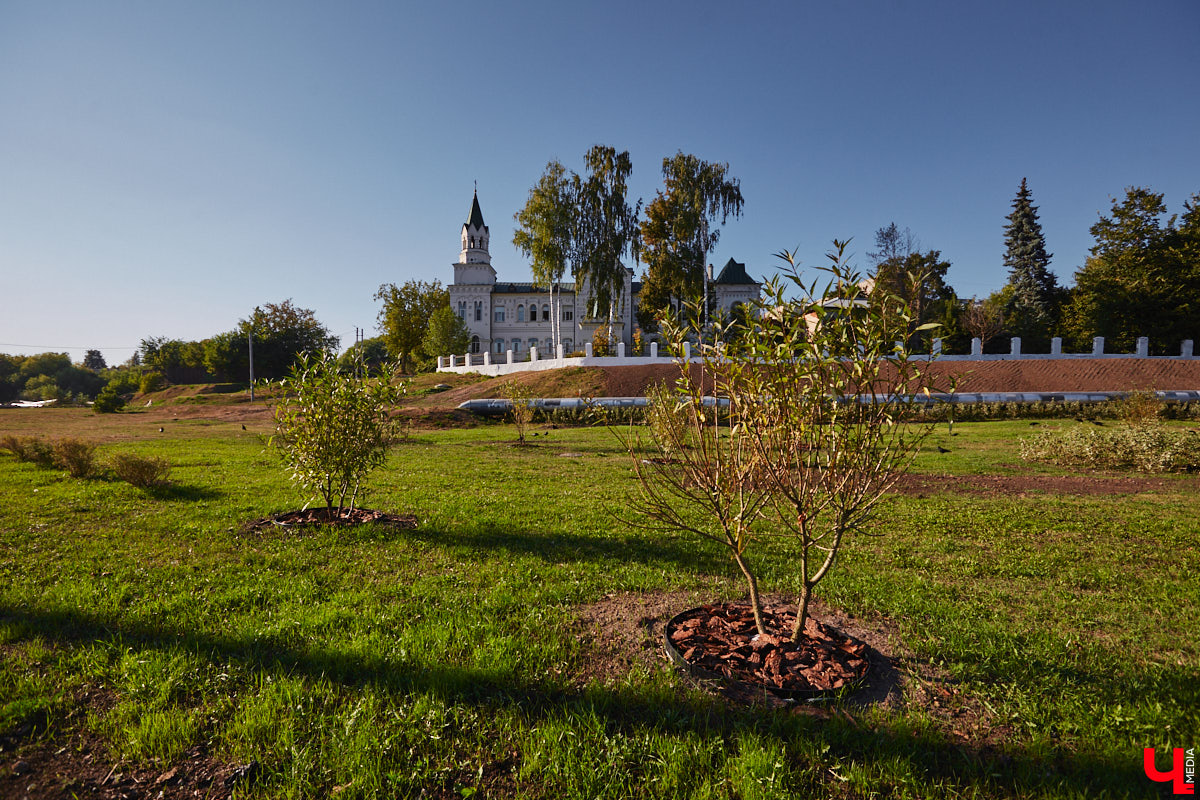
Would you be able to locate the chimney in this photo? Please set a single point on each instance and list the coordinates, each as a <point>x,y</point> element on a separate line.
<point>710,277</point>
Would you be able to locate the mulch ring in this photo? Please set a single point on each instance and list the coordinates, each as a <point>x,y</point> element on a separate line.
<point>314,517</point>
<point>722,641</point>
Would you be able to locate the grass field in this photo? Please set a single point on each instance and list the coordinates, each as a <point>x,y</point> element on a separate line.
<point>1039,639</point>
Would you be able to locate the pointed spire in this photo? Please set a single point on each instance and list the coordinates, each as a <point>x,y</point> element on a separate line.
<point>476,218</point>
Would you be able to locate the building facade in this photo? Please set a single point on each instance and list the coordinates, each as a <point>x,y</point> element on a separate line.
<point>503,316</point>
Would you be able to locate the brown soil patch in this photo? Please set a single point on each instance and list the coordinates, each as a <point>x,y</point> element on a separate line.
<point>313,517</point>
<point>625,631</point>
<point>1021,485</point>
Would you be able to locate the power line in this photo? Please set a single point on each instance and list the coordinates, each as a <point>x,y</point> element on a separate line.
<point>67,347</point>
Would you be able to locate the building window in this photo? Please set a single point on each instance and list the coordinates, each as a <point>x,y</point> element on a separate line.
<point>499,312</point>
<point>567,346</point>
<point>462,309</point>
<point>568,314</point>
<point>478,311</point>
<point>533,312</point>
<point>520,313</point>
<point>474,344</point>
<point>498,346</point>
<point>546,312</point>
<point>533,343</point>
<point>516,345</point>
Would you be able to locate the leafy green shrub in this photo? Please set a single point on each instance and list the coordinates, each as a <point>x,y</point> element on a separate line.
<point>1145,448</point>
<point>143,472</point>
<point>1140,408</point>
<point>151,382</point>
<point>333,427</point>
<point>30,449</point>
<point>76,456</point>
<point>109,401</point>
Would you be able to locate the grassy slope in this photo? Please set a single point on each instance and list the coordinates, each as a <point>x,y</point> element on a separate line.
<point>441,660</point>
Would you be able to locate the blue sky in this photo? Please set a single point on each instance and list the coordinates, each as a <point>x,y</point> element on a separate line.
<point>165,167</point>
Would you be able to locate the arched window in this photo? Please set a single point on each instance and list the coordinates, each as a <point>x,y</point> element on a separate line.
<point>546,311</point>
<point>498,346</point>
<point>472,242</point>
<point>533,312</point>
<point>462,309</point>
<point>516,345</point>
<point>474,344</point>
<point>520,314</point>
<point>567,346</point>
<point>478,311</point>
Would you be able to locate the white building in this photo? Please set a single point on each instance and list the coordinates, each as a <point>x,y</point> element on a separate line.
<point>506,316</point>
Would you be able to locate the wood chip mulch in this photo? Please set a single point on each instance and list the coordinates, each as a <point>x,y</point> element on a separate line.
<point>313,517</point>
<point>722,640</point>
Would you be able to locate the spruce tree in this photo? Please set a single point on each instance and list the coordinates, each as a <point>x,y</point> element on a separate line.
<point>1032,311</point>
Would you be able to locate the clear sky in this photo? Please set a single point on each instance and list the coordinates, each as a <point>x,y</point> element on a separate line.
<point>167,166</point>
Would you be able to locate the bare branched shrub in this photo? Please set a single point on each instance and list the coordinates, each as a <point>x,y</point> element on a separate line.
<point>76,456</point>
<point>520,407</point>
<point>30,449</point>
<point>805,429</point>
<point>141,471</point>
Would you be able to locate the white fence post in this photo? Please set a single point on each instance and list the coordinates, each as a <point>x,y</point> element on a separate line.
<point>1015,346</point>
<point>937,346</point>
<point>487,358</point>
<point>687,351</point>
<point>620,349</point>
<point>587,349</point>
<point>510,355</point>
<point>533,354</point>
<point>654,349</point>
<point>1056,346</point>
<point>1143,346</point>
<point>1098,346</point>
<point>977,346</point>
<point>1186,349</point>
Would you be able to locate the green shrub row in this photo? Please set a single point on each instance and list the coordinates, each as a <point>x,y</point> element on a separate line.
<point>78,458</point>
<point>1123,410</point>
<point>1145,448</point>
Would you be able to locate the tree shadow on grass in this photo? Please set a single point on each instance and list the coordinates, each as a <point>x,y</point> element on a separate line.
<point>636,546</point>
<point>627,709</point>
<point>183,493</point>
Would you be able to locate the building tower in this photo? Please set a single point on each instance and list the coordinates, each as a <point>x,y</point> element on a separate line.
<point>474,278</point>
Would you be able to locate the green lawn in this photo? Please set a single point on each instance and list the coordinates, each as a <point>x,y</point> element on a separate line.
<point>443,662</point>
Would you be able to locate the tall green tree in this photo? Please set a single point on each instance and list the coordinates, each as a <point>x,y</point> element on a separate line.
<point>447,333</point>
<point>1142,277</point>
<point>94,360</point>
<point>282,332</point>
<point>917,278</point>
<point>1033,309</point>
<point>680,230</point>
<point>606,228</point>
<point>545,228</point>
<point>405,316</point>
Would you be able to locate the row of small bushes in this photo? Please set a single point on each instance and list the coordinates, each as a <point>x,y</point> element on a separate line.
<point>1127,410</point>
<point>1145,448</point>
<point>78,458</point>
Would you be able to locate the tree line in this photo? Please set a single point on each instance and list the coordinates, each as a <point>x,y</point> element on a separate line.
<point>1141,278</point>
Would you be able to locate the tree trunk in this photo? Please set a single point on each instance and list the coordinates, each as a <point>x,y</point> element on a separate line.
<point>801,612</point>
<point>755,600</point>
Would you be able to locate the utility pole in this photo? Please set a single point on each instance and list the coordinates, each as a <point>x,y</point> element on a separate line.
<point>250,342</point>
